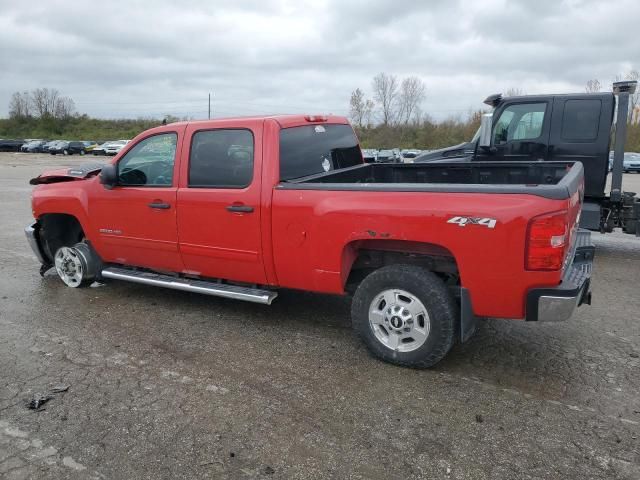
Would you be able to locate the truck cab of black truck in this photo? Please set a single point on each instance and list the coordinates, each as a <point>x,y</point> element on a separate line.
<point>570,127</point>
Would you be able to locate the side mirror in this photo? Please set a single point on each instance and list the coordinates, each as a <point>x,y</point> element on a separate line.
<point>109,176</point>
<point>484,140</point>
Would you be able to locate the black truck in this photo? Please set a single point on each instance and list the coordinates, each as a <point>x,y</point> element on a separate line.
<point>571,127</point>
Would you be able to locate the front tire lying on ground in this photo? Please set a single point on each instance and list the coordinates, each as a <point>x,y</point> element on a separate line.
<point>76,266</point>
<point>405,315</point>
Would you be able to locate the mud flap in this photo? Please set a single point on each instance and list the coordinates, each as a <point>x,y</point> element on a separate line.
<point>468,321</point>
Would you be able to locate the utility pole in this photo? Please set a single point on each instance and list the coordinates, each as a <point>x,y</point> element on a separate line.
<point>209,106</point>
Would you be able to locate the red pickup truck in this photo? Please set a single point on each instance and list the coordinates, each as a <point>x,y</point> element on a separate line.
<point>241,207</point>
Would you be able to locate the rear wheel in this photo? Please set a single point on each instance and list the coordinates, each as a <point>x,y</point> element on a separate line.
<point>76,266</point>
<point>82,152</point>
<point>65,152</point>
<point>405,315</point>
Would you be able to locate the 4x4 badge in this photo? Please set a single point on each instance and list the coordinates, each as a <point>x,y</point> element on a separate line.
<point>464,221</point>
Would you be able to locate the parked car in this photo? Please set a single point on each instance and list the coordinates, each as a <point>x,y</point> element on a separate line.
<point>385,156</point>
<point>34,146</point>
<point>90,144</point>
<point>99,149</point>
<point>631,162</point>
<point>407,156</point>
<point>423,257</point>
<point>369,155</point>
<point>11,145</point>
<point>112,148</point>
<point>48,145</point>
<point>80,148</point>
<point>60,146</point>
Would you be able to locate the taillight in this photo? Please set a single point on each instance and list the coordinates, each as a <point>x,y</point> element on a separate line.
<point>547,241</point>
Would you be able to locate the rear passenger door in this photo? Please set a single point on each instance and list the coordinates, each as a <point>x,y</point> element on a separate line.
<point>580,131</point>
<point>219,202</point>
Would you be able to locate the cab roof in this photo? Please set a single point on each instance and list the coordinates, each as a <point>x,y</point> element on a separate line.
<point>285,121</point>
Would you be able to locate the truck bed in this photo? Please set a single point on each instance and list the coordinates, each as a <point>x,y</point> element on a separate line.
<point>555,180</point>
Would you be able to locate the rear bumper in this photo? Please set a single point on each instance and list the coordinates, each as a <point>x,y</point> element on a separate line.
<point>558,303</point>
<point>34,242</point>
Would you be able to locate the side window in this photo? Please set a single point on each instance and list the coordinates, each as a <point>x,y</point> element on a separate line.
<point>581,119</point>
<point>149,163</point>
<point>519,122</point>
<point>221,159</point>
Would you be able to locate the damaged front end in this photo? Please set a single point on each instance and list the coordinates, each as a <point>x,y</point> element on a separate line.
<point>80,172</point>
<point>32,233</point>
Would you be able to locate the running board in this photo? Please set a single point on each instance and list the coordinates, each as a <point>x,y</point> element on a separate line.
<point>188,285</point>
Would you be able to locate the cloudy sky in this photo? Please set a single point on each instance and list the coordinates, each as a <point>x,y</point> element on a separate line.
<point>153,57</point>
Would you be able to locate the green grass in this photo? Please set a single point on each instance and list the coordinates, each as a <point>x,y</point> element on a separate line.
<point>75,128</point>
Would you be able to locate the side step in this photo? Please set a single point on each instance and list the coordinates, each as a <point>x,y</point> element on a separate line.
<point>188,285</point>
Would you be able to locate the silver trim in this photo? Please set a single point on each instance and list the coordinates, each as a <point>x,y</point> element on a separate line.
<point>30,232</point>
<point>557,309</point>
<point>254,295</point>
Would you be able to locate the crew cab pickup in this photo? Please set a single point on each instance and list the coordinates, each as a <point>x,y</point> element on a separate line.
<point>241,207</point>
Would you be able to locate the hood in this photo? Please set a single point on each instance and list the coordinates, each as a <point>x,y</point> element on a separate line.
<point>80,172</point>
<point>460,151</point>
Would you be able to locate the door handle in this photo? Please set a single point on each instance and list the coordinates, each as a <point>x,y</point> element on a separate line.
<point>160,205</point>
<point>240,208</point>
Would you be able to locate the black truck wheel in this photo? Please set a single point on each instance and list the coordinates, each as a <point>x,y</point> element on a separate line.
<point>405,315</point>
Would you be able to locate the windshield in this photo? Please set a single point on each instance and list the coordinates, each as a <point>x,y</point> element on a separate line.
<point>312,149</point>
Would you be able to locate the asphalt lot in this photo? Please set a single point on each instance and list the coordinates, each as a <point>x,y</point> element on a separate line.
<point>166,384</point>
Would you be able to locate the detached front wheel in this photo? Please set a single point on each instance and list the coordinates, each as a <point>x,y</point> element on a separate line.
<point>76,266</point>
<point>405,315</point>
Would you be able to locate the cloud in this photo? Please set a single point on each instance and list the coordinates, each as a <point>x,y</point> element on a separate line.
<point>150,58</point>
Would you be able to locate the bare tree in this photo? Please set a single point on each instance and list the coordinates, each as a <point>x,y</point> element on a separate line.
<point>385,92</point>
<point>356,107</point>
<point>369,107</point>
<point>64,107</point>
<point>19,105</point>
<point>412,94</point>
<point>44,101</point>
<point>360,109</point>
<point>593,86</point>
<point>514,92</point>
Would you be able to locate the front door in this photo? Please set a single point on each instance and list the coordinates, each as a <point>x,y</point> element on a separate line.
<point>219,203</point>
<point>521,132</point>
<point>136,219</point>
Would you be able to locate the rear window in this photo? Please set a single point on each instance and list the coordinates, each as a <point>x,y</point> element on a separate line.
<point>581,119</point>
<point>312,149</point>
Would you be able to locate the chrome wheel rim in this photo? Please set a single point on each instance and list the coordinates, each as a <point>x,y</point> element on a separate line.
<point>399,320</point>
<point>69,266</point>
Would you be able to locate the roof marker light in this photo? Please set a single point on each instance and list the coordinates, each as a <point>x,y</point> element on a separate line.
<point>316,118</point>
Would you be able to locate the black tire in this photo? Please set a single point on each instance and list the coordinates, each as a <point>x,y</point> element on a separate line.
<point>82,152</point>
<point>429,290</point>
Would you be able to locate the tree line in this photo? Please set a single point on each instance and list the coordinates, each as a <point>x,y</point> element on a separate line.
<point>392,117</point>
<point>41,103</point>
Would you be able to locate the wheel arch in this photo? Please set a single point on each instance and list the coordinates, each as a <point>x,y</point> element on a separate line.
<point>361,257</point>
<point>59,229</point>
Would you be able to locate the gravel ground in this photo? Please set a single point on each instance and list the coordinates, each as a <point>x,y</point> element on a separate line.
<point>166,384</point>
